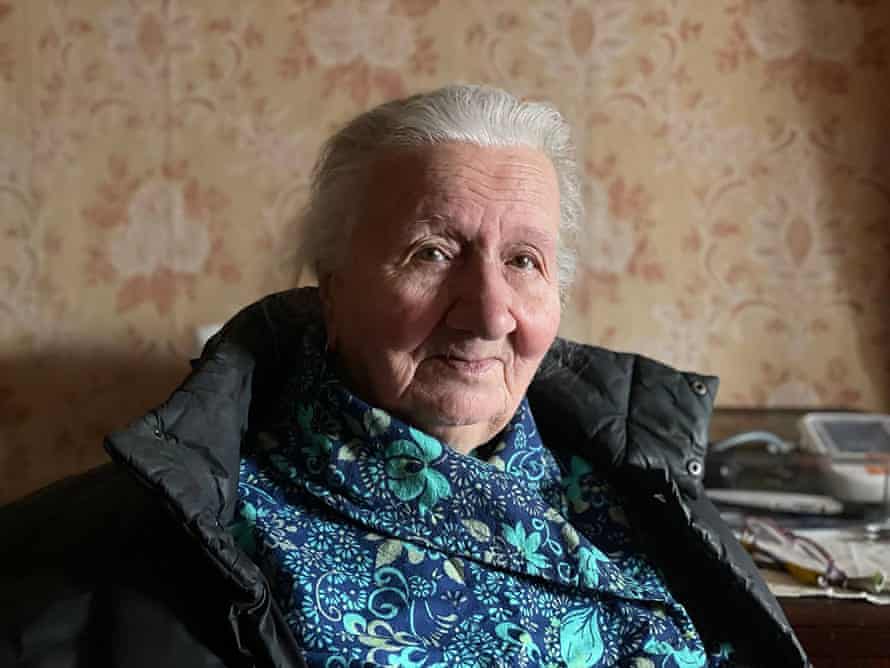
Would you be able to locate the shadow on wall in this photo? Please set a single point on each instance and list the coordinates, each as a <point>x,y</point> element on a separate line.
<point>852,202</point>
<point>56,407</point>
<point>876,348</point>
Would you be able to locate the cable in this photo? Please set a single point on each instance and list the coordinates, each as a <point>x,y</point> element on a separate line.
<point>774,444</point>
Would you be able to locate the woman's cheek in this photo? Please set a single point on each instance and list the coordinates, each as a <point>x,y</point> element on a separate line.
<point>408,313</point>
<point>538,324</point>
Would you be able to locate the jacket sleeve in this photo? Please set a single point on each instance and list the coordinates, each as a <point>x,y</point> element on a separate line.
<point>91,574</point>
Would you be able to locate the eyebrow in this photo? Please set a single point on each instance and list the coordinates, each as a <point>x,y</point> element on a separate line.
<point>435,220</point>
<point>438,222</point>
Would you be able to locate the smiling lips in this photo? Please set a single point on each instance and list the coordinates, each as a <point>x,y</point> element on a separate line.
<point>476,366</point>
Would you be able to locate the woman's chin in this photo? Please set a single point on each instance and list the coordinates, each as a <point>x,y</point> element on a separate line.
<point>461,417</point>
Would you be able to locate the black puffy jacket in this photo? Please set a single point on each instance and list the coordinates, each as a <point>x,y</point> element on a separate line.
<point>100,570</point>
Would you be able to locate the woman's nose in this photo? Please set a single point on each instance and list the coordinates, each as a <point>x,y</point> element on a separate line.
<point>483,305</point>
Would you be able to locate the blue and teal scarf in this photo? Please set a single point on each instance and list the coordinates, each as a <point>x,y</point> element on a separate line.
<point>385,547</point>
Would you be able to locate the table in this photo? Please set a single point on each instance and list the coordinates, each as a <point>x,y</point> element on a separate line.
<point>835,633</point>
<point>841,634</point>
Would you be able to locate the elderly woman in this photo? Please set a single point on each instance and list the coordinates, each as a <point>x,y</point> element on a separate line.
<point>405,467</point>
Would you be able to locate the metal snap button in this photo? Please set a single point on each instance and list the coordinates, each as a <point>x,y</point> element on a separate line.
<point>694,468</point>
<point>699,388</point>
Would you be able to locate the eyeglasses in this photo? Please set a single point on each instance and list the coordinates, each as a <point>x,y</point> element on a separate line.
<point>803,558</point>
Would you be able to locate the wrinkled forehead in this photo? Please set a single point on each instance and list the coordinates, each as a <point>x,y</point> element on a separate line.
<point>403,180</point>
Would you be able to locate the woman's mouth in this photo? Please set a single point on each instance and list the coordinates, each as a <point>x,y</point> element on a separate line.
<point>469,366</point>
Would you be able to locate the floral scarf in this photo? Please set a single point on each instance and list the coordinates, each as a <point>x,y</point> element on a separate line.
<point>385,547</point>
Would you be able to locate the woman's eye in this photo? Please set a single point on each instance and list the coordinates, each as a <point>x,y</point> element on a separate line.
<point>525,262</point>
<point>431,254</point>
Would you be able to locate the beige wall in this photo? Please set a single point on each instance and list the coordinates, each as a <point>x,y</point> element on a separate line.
<point>153,154</point>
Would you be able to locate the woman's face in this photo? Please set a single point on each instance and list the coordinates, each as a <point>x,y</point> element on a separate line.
<point>448,296</point>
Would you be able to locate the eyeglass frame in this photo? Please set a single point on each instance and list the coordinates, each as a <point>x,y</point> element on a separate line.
<point>832,575</point>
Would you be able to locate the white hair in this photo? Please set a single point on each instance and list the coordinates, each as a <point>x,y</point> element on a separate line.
<point>479,115</point>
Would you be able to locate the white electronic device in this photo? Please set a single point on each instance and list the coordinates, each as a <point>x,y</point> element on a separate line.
<point>856,448</point>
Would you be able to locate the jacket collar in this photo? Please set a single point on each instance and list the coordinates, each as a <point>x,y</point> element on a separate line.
<point>626,411</point>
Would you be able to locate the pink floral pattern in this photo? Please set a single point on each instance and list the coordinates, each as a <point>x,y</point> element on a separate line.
<point>155,154</point>
<point>164,234</point>
<point>146,35</point>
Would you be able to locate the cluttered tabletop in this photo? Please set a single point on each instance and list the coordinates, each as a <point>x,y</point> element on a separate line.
<point>808,494</point>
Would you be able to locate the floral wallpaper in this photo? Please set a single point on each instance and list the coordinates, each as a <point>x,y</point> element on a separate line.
<point>154,154</point>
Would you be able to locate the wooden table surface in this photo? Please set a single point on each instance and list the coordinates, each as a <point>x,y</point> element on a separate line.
<point>841,634</point>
